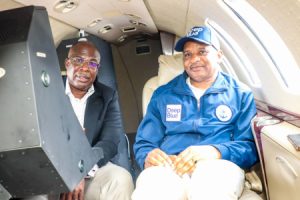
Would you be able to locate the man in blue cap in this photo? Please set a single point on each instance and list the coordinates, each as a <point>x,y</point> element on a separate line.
<point>195,139</point>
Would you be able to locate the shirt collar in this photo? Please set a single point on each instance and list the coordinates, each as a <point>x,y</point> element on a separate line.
<point>219,84</point>
<point>188,81</point>
<point>68,92</point>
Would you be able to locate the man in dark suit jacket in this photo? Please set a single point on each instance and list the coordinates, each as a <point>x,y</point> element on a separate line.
<point>97,109</point>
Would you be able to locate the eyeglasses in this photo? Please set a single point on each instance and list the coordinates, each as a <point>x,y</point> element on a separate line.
<point>79,61</point>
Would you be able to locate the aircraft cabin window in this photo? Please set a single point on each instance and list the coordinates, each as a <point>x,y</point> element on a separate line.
<point>268,42</point>
<point>232,49</point>
<point>227,67</point>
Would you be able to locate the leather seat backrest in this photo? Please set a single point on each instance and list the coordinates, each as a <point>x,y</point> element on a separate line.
<point>169,67</point>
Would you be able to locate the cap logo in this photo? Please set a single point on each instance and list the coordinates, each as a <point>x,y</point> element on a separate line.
<point>195,31</point>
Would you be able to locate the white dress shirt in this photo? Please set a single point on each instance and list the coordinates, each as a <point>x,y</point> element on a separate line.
<point>79,105</point>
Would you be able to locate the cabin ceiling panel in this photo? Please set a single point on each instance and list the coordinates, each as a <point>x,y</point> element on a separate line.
<point>284,16</point>
<point>59,29</point>
<point>8,4</point>
<point>169,16</point>
<point>115,15</point>
<point>200,10</point>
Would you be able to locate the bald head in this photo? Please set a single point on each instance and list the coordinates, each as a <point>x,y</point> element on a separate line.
<point>84,48</point>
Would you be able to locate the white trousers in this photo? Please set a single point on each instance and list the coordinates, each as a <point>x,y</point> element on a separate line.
<point>211,180</point>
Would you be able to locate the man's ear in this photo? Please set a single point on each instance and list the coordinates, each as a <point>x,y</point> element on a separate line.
<point>220,56</point>
<point>67,62</point>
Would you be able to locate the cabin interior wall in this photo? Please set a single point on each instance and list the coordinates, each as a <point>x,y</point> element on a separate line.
<point>132,72</point>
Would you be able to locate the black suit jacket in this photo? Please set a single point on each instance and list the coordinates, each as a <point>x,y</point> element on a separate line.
<point>102,121</point>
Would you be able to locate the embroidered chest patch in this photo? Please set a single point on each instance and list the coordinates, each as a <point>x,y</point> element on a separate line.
<point>173,113</point>
<point>223,113</point>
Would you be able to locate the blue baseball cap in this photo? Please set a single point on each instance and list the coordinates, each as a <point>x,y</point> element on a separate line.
<point>200,34</point>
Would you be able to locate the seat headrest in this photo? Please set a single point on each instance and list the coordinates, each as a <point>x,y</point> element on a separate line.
<point>169,67</point>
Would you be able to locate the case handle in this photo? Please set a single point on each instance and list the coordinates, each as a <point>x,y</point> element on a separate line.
<point>289,166</point>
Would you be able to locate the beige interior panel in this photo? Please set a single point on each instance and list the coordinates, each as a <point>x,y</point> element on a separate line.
<point>132,72</point>
<point>9,4</point>
<point>163,14</point>
<point>61,31</point>
<point>116,14</point>
<point>127,99</point>
<point>282,162</point>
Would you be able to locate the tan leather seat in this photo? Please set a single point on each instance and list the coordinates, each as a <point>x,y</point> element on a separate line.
<point>169,67</point>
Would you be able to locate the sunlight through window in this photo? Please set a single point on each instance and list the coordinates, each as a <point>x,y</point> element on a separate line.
<point>268,39</point>
<point>237,53</point>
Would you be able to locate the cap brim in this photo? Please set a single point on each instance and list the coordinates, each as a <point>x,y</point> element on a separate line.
<point>180,44</point>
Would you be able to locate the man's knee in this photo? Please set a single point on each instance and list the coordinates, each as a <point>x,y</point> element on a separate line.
<point>218,170</point>
<point>159,183</point>
<point>122,175</point>
<point>110,182</point>
<point>221,176</point>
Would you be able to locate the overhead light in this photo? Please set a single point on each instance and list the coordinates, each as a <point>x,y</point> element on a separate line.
<point>105,29</point>
<point>122,38</point>
<point>134,22</point>
<point>125,0</point>
<point>94,22</point>
<point>65,6</point>
<point>137,23</point>
<point>142,24</point>
<point>133,16</point>
<point>128,29</point>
